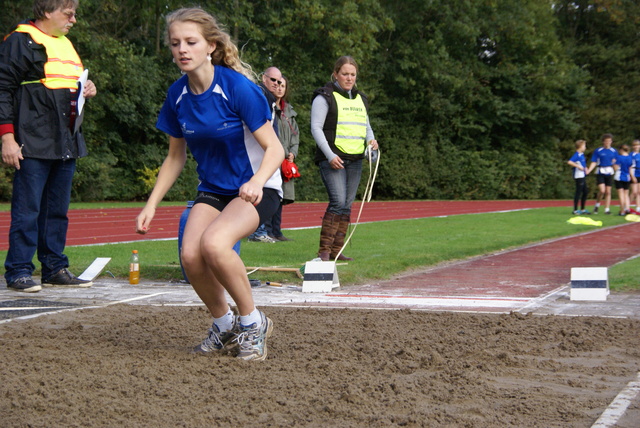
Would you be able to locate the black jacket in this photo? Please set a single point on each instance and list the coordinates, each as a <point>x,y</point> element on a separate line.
<point>271,99</point>
<point>40,116</point>
<point>331,122</point>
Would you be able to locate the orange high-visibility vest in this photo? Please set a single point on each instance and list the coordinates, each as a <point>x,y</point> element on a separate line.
<point>63,67</point>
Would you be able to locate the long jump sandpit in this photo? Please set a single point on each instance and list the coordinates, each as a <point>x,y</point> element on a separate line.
<point>119,355</point>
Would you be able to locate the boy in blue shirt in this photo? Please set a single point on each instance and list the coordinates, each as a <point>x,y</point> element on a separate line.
<point>634,196</point>
<point>579,164</point>
<point>625,174</point>
<point>604,158</point>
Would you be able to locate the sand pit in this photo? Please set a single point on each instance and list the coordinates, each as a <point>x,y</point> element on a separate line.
<point>130,366</point>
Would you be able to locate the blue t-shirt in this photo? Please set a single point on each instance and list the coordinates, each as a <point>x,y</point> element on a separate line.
<point>217,126</point>
<point>580,159</point>
<point>624,163</point>
<point>604,158</point>
<point>636,159</point>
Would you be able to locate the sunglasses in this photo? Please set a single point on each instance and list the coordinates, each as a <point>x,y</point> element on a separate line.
<point>273,79</point>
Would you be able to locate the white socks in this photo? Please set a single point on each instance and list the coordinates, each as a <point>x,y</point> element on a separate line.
<point>253,317</point>
<point>225,322</point>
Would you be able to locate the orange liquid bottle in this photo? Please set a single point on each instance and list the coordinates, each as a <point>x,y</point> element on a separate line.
<point>134,268</point>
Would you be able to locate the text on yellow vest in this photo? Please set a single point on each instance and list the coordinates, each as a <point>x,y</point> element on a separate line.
<point>351,130</point>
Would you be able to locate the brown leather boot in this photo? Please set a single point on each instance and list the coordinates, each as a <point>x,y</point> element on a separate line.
<point>330,223</point>
<point>341,233</point>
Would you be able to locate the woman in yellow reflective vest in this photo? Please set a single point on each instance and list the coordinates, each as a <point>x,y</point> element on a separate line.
<point>340,126</point>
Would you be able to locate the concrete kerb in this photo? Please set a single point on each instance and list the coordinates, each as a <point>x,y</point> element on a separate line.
<point>109,291</point>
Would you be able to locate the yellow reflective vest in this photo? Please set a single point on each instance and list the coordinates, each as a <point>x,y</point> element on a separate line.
<point>63,67</point>
<point>351,129</point>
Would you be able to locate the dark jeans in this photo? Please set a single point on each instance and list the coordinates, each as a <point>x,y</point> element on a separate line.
<point>260,231</point>
<point>580,195</point>
<point>274,224</point>
<point>41,196</point>
<point>342,185</point>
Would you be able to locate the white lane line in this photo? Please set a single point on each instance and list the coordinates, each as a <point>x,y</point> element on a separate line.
<point>444,302</point>
<point>76,308</point>
<point>31,308</point>
<point>26,317</point>
<point>619,405</point>
<point>537,300</point>
<point>133,299</point>
<point>402,296</point>
<point>326,305</point>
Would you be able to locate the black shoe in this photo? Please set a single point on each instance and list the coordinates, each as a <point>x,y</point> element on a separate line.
<point>282,238</point>
<point>64,278</point>
<point>24,284</point>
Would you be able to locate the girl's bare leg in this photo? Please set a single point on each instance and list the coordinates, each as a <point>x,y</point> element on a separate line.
<point>607,197</point>
<point>621,198</point>
<point>238,220</point>
<point>200,275</point>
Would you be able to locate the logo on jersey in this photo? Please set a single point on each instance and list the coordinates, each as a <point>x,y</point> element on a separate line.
<point>186,131</point>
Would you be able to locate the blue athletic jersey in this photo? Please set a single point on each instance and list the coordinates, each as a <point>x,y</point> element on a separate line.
<point>604,157</point>
<point>625,163</point>
<point>217,126</point>
<point>636,159</point>
<point>578,158</point>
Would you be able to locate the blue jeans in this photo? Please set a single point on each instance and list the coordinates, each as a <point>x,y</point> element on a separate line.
<point>260,231</point>
<point>342,185</point>
<point>39,206</point>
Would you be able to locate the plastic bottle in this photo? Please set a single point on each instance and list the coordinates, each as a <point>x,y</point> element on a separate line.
<point>134,268</point>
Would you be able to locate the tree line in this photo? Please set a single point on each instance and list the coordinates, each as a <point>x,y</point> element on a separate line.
<point>470,99</point>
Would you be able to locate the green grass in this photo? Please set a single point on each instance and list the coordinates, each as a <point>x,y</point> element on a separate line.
<point>624,276</point>
<point>381,249</point>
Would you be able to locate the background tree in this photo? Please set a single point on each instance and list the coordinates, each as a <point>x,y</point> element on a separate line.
<point>485,91</point>
<point>601,37</point>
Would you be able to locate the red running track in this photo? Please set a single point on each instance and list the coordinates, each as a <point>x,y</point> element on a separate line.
<point>100,226</point>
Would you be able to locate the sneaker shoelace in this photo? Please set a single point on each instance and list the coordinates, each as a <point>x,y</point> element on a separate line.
<point>247,337</point>
<point>212,341</point>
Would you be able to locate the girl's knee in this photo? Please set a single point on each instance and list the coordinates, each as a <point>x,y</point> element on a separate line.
<point>190,256</point>
<point>215,249</point>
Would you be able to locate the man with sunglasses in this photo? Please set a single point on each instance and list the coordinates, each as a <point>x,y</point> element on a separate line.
<point>271,80</point>
<point>39,73</point>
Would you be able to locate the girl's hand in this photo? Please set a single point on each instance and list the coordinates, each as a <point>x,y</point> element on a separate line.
<point>144,220</point>
<point>251,192</point>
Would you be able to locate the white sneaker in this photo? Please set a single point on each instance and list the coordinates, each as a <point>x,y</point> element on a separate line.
<point>217,341</point>
<point>262,238</point>
<point>252,339</point>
